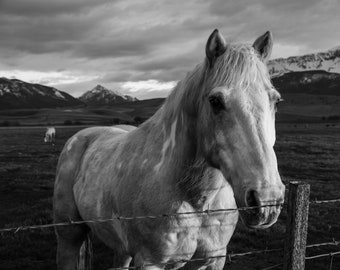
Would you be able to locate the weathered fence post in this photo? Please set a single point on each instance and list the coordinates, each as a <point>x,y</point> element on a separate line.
<point>297,225</point>
<point>85,255</point>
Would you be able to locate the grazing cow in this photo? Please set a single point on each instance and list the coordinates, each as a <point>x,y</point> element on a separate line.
<point>50,135</point>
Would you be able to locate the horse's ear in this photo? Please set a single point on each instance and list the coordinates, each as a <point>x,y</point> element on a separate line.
<point>263,45</point>
<point>215,47</point>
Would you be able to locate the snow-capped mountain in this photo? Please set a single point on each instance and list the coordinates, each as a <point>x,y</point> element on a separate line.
<point>309,84</point>
<point>103,96</point>
<point>312,82</point>
<point>327,61</point>
<point>17,94</point>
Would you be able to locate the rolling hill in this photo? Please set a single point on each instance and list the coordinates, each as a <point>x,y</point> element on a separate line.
<point>309,84</point>
<point>315,82</point>
<point>308,95</point>
<point>130,112</point>
<point>17,94</point>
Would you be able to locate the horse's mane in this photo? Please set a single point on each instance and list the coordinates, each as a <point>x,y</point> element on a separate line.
<point>239,68</point>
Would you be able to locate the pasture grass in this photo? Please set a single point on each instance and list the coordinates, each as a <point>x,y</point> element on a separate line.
<point>27,167</point>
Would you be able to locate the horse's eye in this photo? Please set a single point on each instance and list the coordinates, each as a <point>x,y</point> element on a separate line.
<point>216,103</point>
<point>277,102</point>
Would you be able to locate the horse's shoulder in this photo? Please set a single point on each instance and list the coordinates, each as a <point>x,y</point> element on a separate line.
<point>98,131</point>
<point>125,127</point>
<point>90,135</point>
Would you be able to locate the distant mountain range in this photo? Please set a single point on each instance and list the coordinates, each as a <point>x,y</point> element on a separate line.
<point>308,95</point>
<point>16,94</point>
<point>312,82</point>
<point>103,96</point>
<point>312,79</point>
<point>326,61</point>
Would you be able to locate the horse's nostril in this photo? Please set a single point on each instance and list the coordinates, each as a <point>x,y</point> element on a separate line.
<point>251,199</point>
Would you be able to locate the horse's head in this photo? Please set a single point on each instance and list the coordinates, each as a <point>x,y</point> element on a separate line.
<point>236,125</point>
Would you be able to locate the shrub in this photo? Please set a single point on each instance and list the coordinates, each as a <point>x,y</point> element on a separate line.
<point>334,118</point>
<point>5,123</point>
<point>138,120</point>
<point>78,122</point>
<point>116,121</point>
<point>68,122</point>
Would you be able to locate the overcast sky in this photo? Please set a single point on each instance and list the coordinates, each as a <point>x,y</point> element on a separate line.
<point>142,48</point>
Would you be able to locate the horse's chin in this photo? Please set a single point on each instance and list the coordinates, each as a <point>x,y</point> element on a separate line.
<point>254,220</point>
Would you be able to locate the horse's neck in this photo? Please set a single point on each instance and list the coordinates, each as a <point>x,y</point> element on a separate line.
<point>175,129</point>
<point>180,166</point>
<point>172,140</point>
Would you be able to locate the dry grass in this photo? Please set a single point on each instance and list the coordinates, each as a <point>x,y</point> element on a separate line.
<point>27,168</point>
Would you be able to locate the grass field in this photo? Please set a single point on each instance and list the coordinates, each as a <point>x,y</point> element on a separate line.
<point>104,115</point>
<point>27,168</point>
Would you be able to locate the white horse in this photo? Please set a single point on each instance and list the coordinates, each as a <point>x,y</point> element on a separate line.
<point>50,135</point>
<point>210,146</point>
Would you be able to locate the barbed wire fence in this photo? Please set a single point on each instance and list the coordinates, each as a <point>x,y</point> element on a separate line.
<point>294,251</point>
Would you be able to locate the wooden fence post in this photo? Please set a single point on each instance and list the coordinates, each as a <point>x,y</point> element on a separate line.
<point>297,225</point>
<point>85,255</point>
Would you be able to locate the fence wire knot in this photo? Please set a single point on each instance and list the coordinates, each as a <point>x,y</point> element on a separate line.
<point>207,211</point>
<point>18,229</point>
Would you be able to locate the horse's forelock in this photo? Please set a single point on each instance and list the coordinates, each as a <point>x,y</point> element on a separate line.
<point>239,67</point>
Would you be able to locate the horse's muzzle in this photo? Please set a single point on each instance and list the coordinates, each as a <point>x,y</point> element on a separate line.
<point>260,214</point>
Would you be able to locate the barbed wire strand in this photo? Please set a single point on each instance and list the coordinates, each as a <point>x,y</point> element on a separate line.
<point>229,255</point>
<point>324,201</point>
<point>207,212</point>
<point>331,254</point>
<point>203,212</point>
<point>333,243</point>
<point>273,266</point>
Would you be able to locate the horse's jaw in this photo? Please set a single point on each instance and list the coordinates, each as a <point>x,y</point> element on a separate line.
<point>256,221</point>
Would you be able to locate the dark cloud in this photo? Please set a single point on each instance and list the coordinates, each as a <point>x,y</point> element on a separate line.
<point>43,8</point>
<point>135,75</point>
<point>110,48</point>
<point>306,23</point>
<point>42,34</point>
<point>121,41</point>
<point>169,63</point>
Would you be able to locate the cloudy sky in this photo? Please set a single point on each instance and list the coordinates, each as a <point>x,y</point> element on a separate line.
<point>142,48</point>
